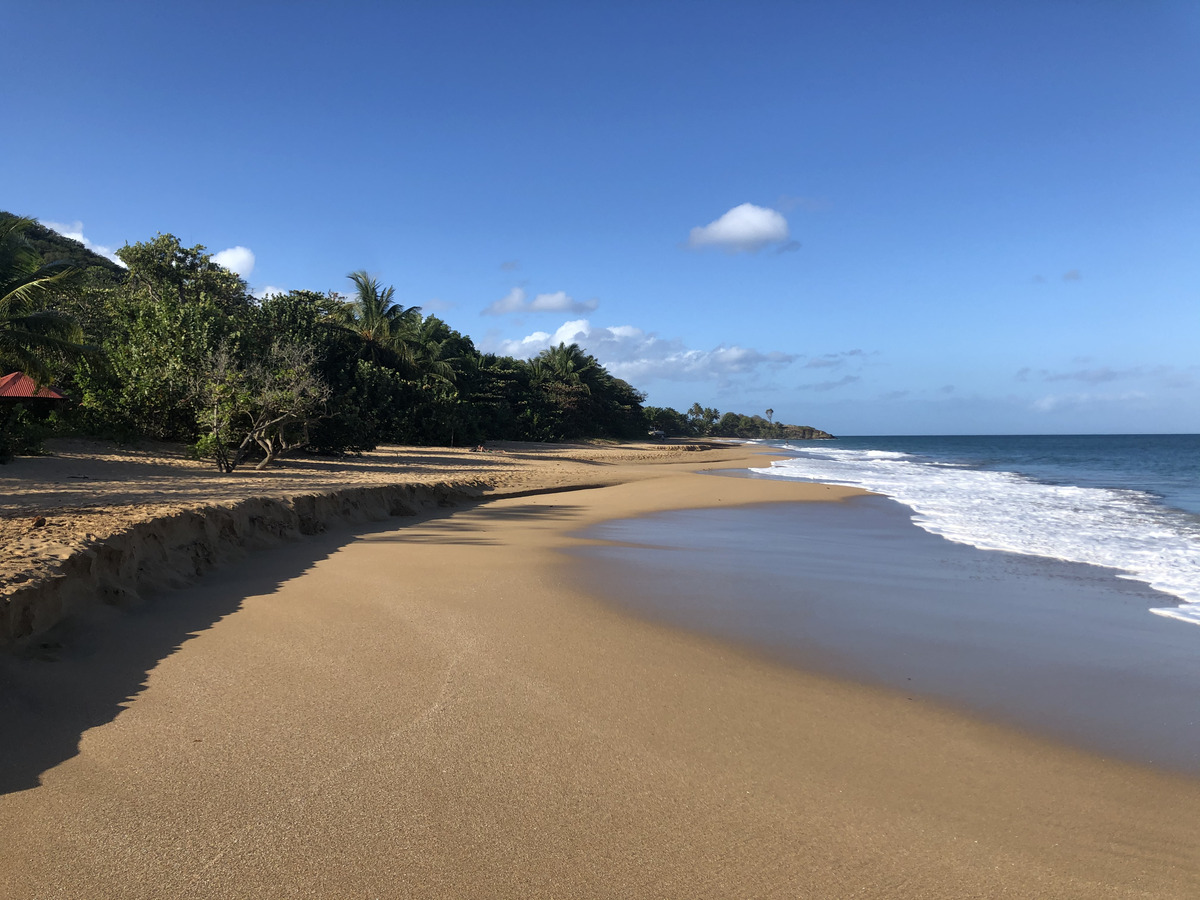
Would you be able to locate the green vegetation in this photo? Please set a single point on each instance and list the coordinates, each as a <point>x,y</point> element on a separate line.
<point>704,421</point>
<point>173,347</point>
<point>33,336</point>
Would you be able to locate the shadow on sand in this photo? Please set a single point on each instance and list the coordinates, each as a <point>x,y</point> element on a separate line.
<point>87,669</point>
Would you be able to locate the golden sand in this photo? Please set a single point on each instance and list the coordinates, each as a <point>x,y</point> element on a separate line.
<point>439,710</point>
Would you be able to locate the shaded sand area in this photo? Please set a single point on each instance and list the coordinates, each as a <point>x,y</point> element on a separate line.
<point>440,710</point>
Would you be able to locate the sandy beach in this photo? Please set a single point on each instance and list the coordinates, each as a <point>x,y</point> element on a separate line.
<point>435,706</point>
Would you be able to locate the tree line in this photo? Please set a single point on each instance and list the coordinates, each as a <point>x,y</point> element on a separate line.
<point>173,347</point>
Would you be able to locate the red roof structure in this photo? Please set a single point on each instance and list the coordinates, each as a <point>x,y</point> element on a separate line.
<point>19,386</point>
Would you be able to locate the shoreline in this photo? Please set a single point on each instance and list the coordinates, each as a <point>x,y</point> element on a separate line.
<point>1065,651</point>
<point>438,709</point>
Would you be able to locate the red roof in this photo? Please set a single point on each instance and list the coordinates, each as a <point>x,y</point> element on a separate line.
<point>20,385</point>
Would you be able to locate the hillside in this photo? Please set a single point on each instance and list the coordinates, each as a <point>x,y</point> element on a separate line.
<point>52,247</point>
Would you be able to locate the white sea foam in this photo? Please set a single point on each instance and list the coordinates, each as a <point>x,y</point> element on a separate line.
<point>1124,530</point>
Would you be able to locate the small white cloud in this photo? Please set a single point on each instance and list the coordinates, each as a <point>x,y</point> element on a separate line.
<point>560,301</point>
<point>74,231</point>
<point>744,229</point>
<point>269,290</point>
<point>572,332</point>
<point>513,301</point>
<point>527,347</point>
<point>239,260</point>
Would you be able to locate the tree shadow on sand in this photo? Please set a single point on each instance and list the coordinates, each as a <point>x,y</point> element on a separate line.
<point>86,670</point>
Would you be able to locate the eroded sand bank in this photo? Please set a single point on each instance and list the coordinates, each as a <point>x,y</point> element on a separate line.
<point>435,711</point>
<point>92,523</point>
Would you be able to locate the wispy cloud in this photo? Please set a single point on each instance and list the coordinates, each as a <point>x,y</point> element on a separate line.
<point>744,229</point>
<point>1169,375</point>
<point>517,301</point>
<point>833,360</point>
<point>831,385</point>
<point>239,260</point>
<point>74,231</point>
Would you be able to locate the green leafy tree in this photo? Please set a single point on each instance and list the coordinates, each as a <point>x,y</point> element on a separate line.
<point>166,270</point>
<point>265,405</point>
<point>668,420</point>
<point>175,309</point>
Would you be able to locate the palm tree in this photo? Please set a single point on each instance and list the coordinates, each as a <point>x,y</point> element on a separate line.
<point>379,321</point>
<point>30,335</point>
<point>428,351</point>
<point>568,364</point>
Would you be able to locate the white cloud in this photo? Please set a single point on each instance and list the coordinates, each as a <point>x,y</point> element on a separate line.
<point>560,301</point>
<point>637,356</point>
<point>74,231</point>
<point>515,301</point>
<point>744,229</point>
<point>572,332</point>
<point>264,292</point>
<point>236,259</point>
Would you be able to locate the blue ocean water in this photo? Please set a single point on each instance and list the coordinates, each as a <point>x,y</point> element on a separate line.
<point>1130,503</point>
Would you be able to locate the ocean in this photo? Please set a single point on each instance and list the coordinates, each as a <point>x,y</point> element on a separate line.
<point>1126,502</point>
<point>1051,583</point>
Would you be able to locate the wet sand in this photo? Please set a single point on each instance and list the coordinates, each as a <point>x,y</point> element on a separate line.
<point>858,591</point>
<point>441,710</point>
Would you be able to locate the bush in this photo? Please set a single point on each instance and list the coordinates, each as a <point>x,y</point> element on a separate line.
<point>23,430</point>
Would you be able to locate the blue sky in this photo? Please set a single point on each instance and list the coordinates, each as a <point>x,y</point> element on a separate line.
<point>875,218</point>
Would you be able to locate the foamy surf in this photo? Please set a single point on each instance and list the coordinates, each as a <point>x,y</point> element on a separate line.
<point>1125,530</point>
